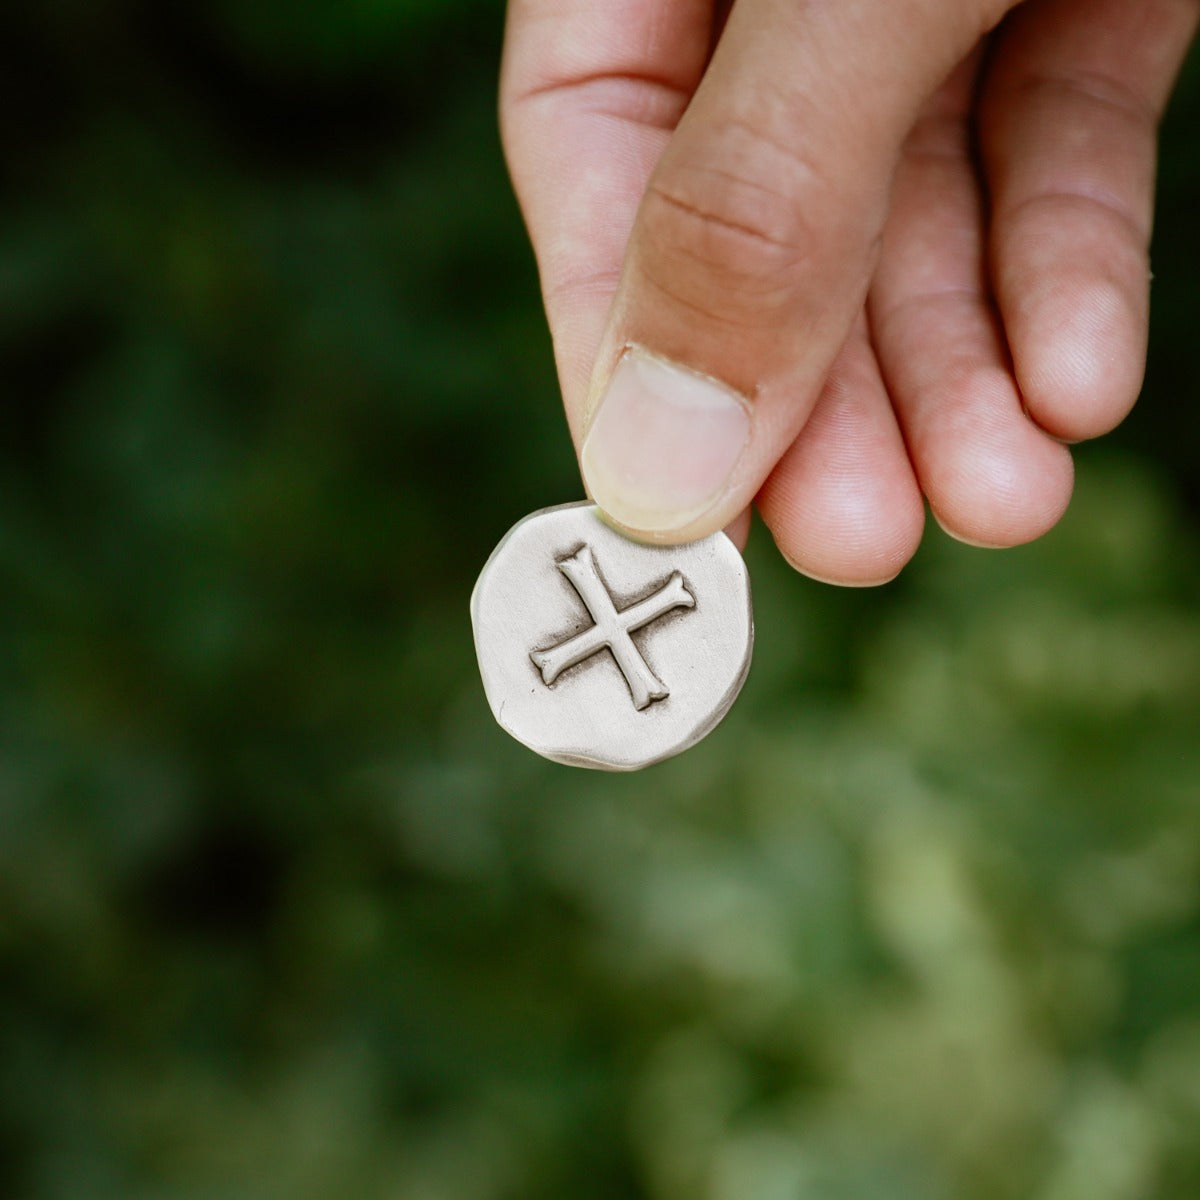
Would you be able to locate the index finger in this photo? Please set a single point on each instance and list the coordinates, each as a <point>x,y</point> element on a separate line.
<point>590,93</point>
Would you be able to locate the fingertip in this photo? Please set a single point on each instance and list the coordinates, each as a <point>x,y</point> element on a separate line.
<point>1068,114</point>
<point>1003,489</point>
<point>834,537</point>
<point>843,504</point>
<point>1079,356</point>
<point>846,575</point>
<point>662,447</point>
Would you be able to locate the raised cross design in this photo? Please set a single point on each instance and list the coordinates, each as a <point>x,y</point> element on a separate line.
<point>612,628</point>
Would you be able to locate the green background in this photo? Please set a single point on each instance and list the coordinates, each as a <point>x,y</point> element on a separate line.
<point>284,914</point>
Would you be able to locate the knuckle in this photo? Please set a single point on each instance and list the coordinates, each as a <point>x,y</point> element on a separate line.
<point>709,230</point>
<point>1096,96</point>
<point>938,138</point>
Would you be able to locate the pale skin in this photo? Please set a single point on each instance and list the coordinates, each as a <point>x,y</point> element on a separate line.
<point>868,255</point>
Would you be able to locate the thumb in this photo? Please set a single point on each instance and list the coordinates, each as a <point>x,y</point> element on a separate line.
<point>753,248</point>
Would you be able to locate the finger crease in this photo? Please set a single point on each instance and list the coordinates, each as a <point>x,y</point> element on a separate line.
<point>956,294</point>
<point>1099,90</point>
<point>591,283</point>
<point>718,313</point>
<point>1087,199</point>
<point>939,139</point>
<point>709,217</point>
<point>644,99</point>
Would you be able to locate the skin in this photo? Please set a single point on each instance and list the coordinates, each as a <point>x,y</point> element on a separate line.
<point>912,234</point>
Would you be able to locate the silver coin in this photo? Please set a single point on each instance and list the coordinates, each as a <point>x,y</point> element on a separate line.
<point>603,652</point>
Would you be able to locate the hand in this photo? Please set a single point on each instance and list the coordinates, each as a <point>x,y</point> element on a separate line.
<point>866,250</point>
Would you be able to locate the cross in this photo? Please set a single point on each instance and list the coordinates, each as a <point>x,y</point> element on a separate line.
<point>612,628</point>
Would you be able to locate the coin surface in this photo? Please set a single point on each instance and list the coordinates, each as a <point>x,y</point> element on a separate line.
<point>599,651</point>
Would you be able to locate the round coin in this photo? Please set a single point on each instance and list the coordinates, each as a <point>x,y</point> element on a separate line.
<point>599,651</point>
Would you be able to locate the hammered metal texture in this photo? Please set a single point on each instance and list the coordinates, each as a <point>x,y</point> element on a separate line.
<point>599,651</point>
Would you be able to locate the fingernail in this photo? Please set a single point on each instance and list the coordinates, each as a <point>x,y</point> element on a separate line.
<point>662,444</point>
<point>974,543</point>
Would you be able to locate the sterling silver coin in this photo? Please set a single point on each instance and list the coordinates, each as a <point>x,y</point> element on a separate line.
<point>599,651</point>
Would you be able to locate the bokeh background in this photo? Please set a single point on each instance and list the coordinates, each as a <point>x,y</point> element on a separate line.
<point>283,914</point>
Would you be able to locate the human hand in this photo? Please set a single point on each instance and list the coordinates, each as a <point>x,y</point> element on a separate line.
<point>866,250</point>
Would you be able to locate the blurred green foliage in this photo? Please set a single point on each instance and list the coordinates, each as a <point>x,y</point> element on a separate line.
<point>284,914</point>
